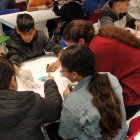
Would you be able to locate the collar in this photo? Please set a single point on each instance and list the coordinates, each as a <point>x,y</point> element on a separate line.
<point>82,82</point>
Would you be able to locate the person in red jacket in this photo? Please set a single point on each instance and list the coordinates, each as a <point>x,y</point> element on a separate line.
<point>116,51</point>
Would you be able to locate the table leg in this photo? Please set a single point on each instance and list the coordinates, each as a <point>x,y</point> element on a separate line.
<point>42,27</point>
<point>3,44</point>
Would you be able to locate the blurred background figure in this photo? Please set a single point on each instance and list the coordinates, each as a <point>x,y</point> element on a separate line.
<point>134,9</point>
<point>7,4</point>
<point>92,6</point>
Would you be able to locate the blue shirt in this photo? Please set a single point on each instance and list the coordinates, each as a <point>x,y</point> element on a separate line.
<point>92,6</point>
<point>79,117</point>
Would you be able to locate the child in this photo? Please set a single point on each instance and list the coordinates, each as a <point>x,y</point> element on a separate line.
<point>116,51</point>
<point>25,43</point>
<point>94,109</point>
<point>114,13</point>
<point>69,11</point>
<point>23,112</point>
<point>34,5</point>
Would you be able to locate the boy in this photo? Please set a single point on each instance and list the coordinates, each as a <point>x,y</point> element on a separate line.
<point>25,43</point>
<point>23,112</point>
<point>114,14</point>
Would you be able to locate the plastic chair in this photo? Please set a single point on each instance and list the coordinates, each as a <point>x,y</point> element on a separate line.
<point>134,128</point>
<point>20,6</point>
<point>63,44</point>
<point>7,30</point>
<point>2,40</point>
<point>94,17</point>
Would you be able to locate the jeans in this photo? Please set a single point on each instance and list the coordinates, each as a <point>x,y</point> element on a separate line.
<point>7,4</point>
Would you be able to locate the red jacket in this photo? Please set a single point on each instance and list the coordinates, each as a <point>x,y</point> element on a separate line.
<point>122,61</point>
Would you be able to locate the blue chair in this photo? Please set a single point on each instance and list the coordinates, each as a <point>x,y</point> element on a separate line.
<point>63,44</point>
<point>7,30</point>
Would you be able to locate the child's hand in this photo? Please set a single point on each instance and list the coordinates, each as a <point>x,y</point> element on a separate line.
<point>66,91</point>
<point>54,66</point>
<point>49,77</point>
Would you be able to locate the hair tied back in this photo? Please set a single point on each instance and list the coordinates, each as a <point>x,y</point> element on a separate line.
<point>96,30</point>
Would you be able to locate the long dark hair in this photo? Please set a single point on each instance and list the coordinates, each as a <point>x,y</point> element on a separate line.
<point>80,58</point>
<point>78,29</point>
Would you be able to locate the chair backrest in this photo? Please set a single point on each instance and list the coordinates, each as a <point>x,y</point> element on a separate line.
<point>134,128</point>
<point>63,43</point>
<point>20,6</point>
<point>94,17</point>
<point>8,11</point>
<point>4,38</point>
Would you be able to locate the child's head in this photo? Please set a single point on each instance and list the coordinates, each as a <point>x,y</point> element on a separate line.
<point>77,62</point>
<point>78,31</point>
<point>120,5</point>
<point>7,75</point>
<point>25,27</point>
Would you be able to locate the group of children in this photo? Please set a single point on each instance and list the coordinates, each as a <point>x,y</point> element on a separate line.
<point>99,105</point>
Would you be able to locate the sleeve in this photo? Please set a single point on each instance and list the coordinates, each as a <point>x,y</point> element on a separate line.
<point>85,7</point>
<point>137,3</point>
<point>51,105</point>
<point>51,46</point>
<point>68,124</point>
<point>31,1</point>
<point>58,12</point>
<point>106,21</point>
<point>14,56</point>
<point>130,21</point>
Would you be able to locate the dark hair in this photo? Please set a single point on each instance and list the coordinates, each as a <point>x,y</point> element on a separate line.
<point>80,58</point>
<point>6,72</point>
<point>78,29</point>
<point>25,22</point>
<point>83,29</point>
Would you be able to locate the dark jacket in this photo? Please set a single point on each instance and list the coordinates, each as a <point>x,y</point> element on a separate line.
<point>68,11</point>
<point>109,18</point>
<point>23,112</point>
<point>20,51</point>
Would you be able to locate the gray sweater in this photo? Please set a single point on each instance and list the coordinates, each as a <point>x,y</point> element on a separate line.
<point>109,18</point>
<point>20,51</point>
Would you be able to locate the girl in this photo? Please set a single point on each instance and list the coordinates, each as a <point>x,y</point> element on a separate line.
<point>94,110</point>
<point>116,51</point>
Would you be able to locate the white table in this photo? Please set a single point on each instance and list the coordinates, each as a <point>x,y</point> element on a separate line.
<point>40,19</point>
<point>38,69</point>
